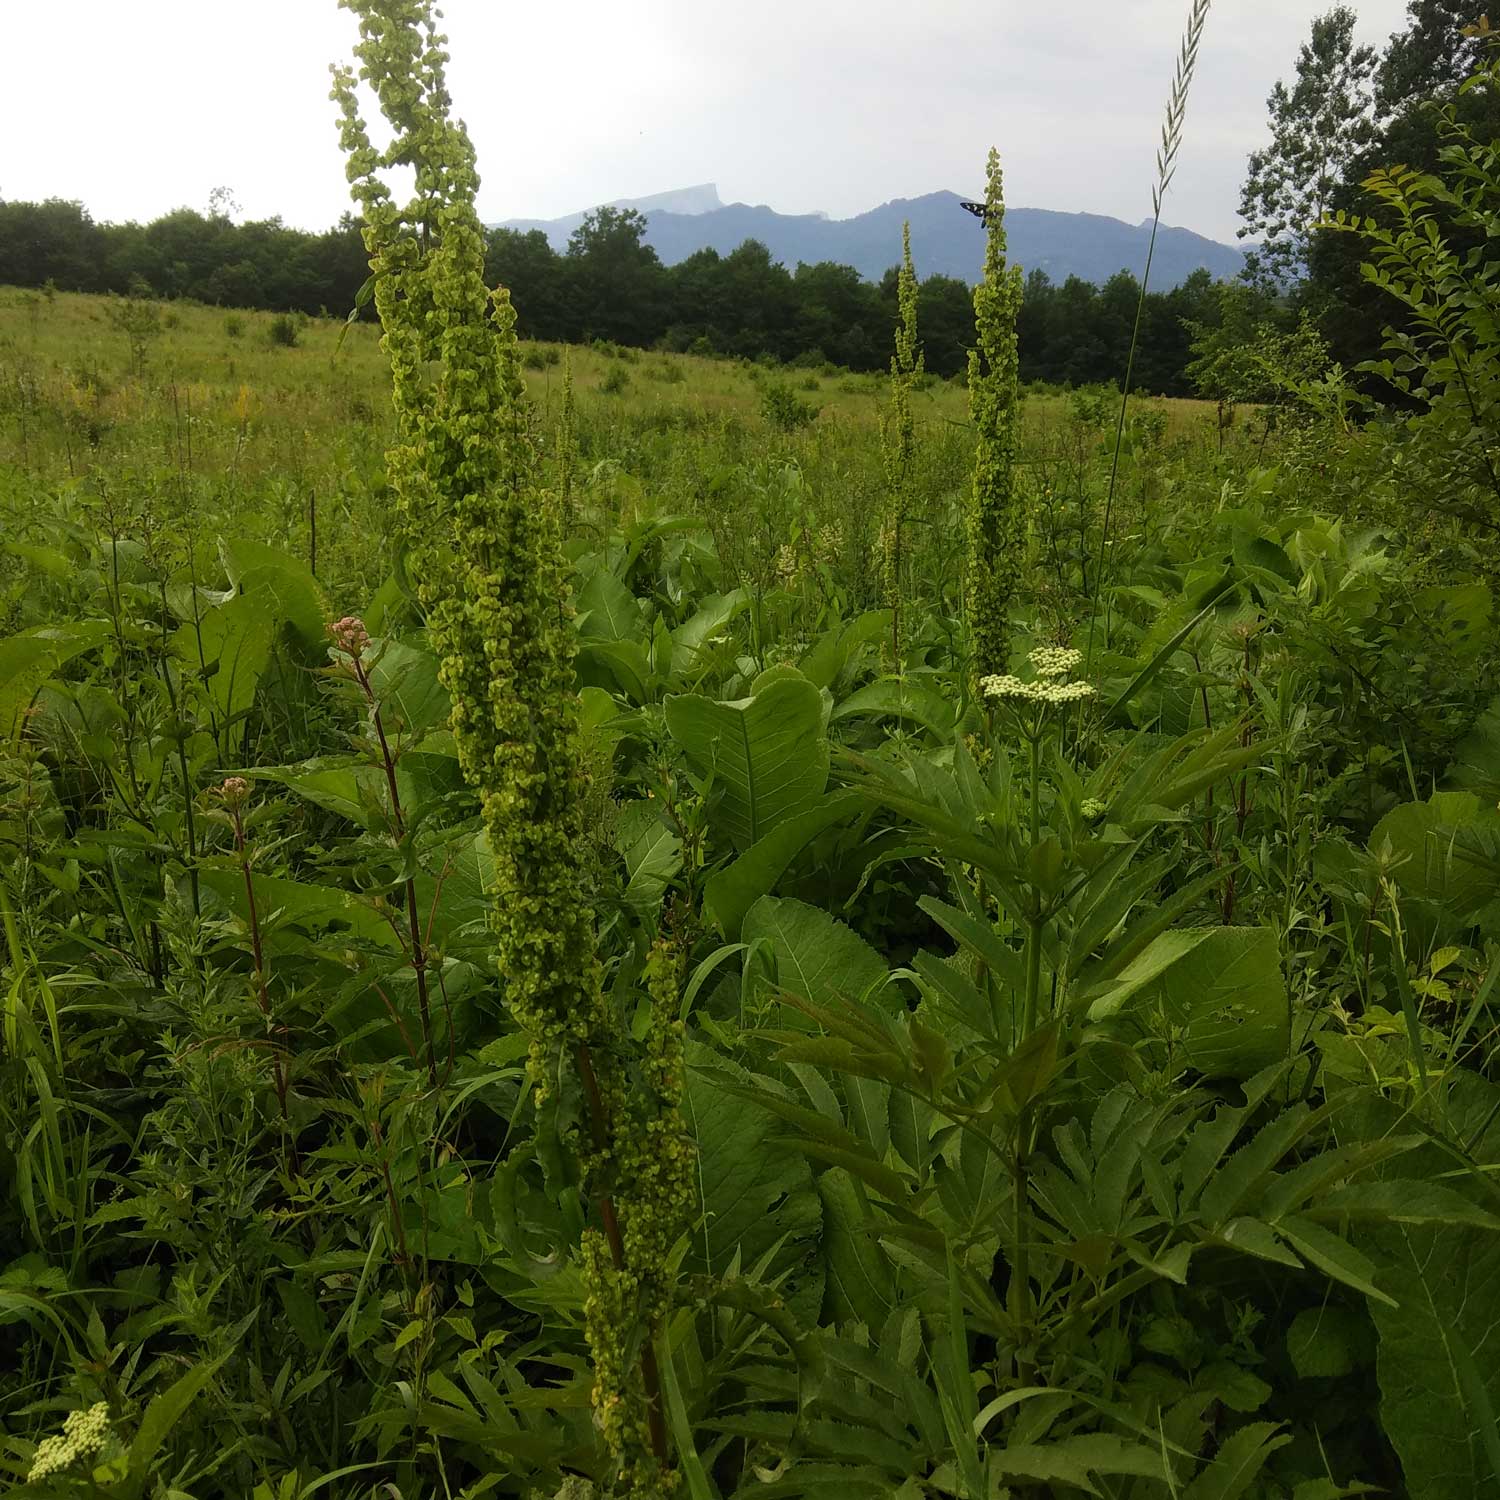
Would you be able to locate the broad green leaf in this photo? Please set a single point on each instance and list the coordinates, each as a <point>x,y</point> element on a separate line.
<point>832,651</point>
<point>1076,1461</point>
<point>1439,1358</point>
<point>1229,997</point>
<point>235,641</point>
<point>816,956</point>
<point>405,680</point>
<point>860,1282</point>
<point>1159,955</point>
<point>358,790</point>
<point>693,638</point>
<point>1476,762</point>
<point>730,892</point>
<point>283,586</point>
<point>322,910</point>
<point>1326,1342</point>
<point>1422,836</point>
<point>607,610</point>
<point>757,1200</point>
<point>768,754</point>
<point>29,659</point>
<point>1218,990</point>
<point>626,663</point>
<point>901,698</point>
<point>652,852</point>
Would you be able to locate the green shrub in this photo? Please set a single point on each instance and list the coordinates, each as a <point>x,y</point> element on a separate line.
<point>782,408</point>
<point>283,332</point>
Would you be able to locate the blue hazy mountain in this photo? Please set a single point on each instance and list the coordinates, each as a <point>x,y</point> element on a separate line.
<point>944,239</point>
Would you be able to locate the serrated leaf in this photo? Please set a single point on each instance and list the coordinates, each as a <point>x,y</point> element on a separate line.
<point>1238,1463</point>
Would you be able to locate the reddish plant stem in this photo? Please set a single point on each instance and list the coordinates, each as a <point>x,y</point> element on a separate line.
<point>418,949</point>
<point>262,993</point>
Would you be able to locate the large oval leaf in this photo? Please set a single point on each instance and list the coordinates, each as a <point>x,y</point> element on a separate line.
<point>767,754</point>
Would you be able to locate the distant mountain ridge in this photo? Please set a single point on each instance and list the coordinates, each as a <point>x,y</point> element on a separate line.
<point>944,239</point>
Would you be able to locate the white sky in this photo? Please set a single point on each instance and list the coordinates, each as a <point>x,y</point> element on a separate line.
<point>138,106</point>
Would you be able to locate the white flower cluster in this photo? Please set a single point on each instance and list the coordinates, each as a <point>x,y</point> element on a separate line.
<point>1035,692</point>
<point>1055,661</point>
<point>84,1434</point>
<point>1051,664</point>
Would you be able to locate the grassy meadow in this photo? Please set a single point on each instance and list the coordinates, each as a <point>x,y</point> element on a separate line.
<point>714,930</point>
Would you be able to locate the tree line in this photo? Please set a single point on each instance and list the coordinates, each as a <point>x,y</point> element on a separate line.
<point>610,284</point>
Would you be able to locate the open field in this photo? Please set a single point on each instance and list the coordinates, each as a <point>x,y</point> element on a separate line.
<point>694,929</point>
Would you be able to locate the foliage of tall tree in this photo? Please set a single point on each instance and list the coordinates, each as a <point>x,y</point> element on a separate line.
<point>1319,125</point>
<point>1430,58</point>
<point>619,285</point>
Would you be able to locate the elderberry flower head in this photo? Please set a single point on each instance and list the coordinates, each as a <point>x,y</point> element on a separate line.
<point>1046,692</point>
<point>84,1434</point>
<point>1055,661</point>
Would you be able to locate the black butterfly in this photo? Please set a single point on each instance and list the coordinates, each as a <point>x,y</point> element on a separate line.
<point>979,210</point>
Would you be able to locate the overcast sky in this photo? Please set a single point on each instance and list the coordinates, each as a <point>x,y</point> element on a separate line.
<point>138,106</point>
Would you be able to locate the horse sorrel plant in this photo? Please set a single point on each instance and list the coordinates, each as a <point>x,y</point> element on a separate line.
<point>483,543</point>
<point>898,439</point>
<point>996,522</point>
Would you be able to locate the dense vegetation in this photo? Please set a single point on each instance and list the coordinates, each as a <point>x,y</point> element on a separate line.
<point>610,285</point>
<point>625,924</point>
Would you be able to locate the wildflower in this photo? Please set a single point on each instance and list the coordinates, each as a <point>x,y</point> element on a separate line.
<point>1055,661</point>
<point>233,793</point>
<point>349,636</point>
<point>1091,809</point>
<point>84,1434</point>
<point>1051,693</point>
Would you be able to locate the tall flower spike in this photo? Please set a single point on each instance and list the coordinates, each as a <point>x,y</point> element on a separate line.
<point>483,544</point>
<point>898,440</point>
<point>996,524</point>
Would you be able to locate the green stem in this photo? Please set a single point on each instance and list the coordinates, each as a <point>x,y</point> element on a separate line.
<point>1020,1299</point>
<point>1034,922</point>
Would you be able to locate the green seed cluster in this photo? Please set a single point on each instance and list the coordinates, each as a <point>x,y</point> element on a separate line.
<point>996,522</point>
<point>483,542</point>
<point>898,427</point>
<point>620,1410</point>
<point>656,1159</point>
<point>84,1434</point>
<point>627,1304</point>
